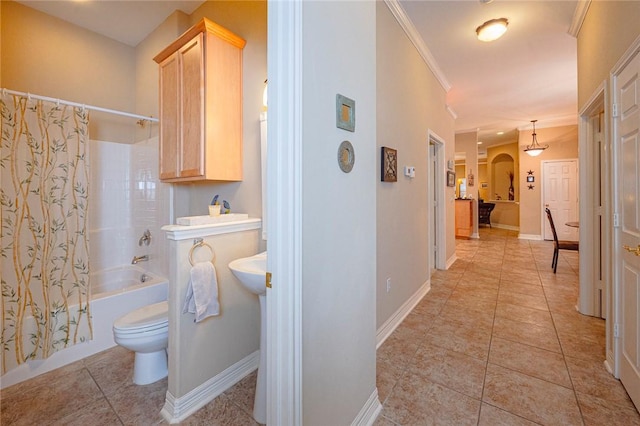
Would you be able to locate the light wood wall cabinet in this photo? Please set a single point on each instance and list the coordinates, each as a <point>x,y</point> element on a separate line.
<point>201,105</point>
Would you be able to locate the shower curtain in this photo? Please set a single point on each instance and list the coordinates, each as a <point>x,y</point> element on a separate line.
<point>44,241</point>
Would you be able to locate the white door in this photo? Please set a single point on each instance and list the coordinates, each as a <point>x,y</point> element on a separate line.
<point>433,236</point>
<point>627,263</point>
<point>560,195</point>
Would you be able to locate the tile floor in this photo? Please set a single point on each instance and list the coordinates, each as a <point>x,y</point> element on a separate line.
<point>497,341</point>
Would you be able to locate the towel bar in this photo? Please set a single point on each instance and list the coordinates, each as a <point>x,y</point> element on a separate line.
<point>199,242</point>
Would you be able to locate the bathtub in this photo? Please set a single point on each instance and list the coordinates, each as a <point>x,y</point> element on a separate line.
<point>115,292</point>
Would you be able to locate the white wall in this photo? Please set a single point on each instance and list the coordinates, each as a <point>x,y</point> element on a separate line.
<point>126,199</point>
<point>338,213</point>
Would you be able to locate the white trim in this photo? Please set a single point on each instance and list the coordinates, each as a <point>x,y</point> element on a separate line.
<point>530,237</point>
<point>578,17</point>
<point>475,236</point>
<point>451,112</point>
<point>369,412</point>
<point>284,212</point>
<point>507,227</point>
<point>586,200</point>
<point>440,197</point>
<point>451,260</point>
<point>394,320</point>
<point>410,30</point>
<point>176,410</point>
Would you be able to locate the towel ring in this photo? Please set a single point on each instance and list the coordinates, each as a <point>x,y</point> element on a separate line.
<point>199,242</point>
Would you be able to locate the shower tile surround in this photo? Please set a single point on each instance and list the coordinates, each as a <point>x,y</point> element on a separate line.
<point>128,199</point>
<point>419,380</point>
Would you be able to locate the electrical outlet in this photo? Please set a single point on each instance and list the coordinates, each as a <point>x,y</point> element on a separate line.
<point>388,285</point>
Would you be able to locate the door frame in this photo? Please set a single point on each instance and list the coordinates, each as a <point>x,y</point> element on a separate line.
<point>284,213</point>
<point>438,238</point>
<point>588,194</point>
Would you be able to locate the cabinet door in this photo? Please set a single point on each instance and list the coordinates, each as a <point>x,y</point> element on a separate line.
<point>192,108</point>
<point>169,126</point>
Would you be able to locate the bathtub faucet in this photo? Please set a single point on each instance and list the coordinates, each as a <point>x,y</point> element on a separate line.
<point>137,259</point>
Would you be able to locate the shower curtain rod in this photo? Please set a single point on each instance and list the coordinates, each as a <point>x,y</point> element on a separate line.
<point>75,104</point>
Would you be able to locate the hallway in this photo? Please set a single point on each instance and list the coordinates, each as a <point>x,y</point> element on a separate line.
<point>497,341</point>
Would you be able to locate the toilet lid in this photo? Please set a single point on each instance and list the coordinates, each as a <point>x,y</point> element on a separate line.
<point>150,315</point>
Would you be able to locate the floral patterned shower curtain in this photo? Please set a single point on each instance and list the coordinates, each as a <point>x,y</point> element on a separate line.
<point>44,243</point>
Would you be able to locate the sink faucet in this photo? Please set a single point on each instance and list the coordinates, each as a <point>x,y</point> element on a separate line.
<point>137,259</point>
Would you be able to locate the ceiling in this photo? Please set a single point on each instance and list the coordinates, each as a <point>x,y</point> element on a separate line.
<point>530,73</point>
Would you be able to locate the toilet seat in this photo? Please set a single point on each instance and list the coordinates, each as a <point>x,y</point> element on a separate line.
<point>146,319</point>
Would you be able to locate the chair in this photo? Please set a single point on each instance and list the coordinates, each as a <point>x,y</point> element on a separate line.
<point>484,213</point>
<point>559,244</point>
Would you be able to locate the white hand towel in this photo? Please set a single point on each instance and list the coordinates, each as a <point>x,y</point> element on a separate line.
<point>202,292</point>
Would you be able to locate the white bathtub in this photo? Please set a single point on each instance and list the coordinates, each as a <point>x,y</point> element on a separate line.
<point>115,292</point>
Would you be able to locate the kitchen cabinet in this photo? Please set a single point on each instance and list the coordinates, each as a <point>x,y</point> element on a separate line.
<point>464,218</point>
<point>201,105</point>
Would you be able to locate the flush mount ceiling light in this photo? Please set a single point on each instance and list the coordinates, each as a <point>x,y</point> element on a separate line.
<point>535,149</point>
<point>492,30</point>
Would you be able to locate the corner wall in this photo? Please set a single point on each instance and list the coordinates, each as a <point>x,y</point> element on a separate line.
<point>410,101</point>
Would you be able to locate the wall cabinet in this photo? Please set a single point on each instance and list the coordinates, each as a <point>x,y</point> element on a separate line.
<point>201,105</point>
<point>464,218</point>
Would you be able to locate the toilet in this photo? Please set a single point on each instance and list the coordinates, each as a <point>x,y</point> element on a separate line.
<point>146,332</point>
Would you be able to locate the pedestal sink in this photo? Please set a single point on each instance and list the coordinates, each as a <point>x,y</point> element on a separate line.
<point>251,272</point>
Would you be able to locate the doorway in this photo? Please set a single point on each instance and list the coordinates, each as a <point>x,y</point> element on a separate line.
<point>436,194</point>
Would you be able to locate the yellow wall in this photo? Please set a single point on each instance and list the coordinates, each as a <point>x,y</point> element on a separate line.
<point>47,56</point>
<point>506,213</point>
<point>483,177</point>
<point>563,145</point>
<point>608,30</point>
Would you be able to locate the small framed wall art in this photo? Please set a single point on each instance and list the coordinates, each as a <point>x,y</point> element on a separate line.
<point>389,163</point>
<point>345,113</point>
<point>451,179</point>
<point>531,179</point>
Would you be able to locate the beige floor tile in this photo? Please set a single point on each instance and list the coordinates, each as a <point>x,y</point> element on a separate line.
<point>597,411</point>
<point>220,412</point>
<point>383,421</point>
<point>492,416</point>
<point>49,402</point>
<point>137,405</point>
<point>464,338</point>
<point>524,314</point>
<point>464,315</point>
<point>583,346</point>
<point>415,401</point>
<point>528,334</point>
<point>539,363</point>
<point>388,373</point>
<point>593,379</point>
<point>98,413</point>
<point>529,301</point>
<point>243,393</point>
<point>454,370</point>
<point>112,369</point>
<point>577,323</point>
<point>399,348</point>
<point>531,398</point>
<point>516,287</point>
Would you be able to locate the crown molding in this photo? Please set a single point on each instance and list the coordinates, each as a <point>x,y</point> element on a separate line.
<point>401,16</point>
<point>560,121</point>
<point>578,17</point>
<point>451,111</point>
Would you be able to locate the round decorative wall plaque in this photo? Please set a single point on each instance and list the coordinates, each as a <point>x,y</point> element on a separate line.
<point>346,156</point>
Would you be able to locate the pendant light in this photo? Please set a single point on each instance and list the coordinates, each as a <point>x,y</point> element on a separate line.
<point>535,149</point>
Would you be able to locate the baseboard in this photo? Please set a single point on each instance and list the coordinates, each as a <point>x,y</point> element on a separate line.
<point>369,411</point>
<point>530,237</point>
<point>176,410</point>
<point>451,261</point>
<point>394,320</point>
<point>507,227</point>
